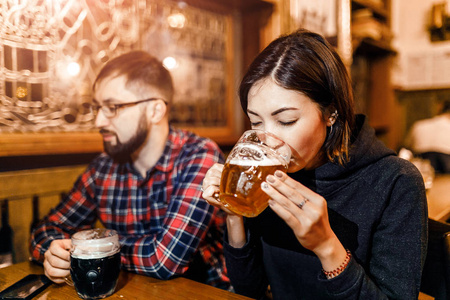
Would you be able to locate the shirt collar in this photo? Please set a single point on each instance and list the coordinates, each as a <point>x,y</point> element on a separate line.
<point>171,151</point>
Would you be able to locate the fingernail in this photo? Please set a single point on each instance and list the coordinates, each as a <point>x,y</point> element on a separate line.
<point>264,185</point>
<point>270,179</point>
<point>279,174</point>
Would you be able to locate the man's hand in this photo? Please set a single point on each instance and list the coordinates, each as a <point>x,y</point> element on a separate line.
<point>57,260</point>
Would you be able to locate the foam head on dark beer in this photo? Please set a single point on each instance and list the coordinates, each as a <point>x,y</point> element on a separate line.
<point>90,244</point>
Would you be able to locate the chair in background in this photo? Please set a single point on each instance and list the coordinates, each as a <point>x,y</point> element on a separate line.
<point>439,161</point>
<point>436,271</point>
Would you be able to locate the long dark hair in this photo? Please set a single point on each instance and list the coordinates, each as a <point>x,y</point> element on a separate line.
<point>304,61</point>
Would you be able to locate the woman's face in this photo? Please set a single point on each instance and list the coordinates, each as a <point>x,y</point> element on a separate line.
<point>291,116</point>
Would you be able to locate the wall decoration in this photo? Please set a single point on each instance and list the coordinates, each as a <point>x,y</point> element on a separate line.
<point>50,52</point>
<point>319,16</point>
<point>330,18</point>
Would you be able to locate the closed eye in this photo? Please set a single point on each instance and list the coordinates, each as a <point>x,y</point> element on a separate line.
<point>287,123</point>
<point>254,124</point>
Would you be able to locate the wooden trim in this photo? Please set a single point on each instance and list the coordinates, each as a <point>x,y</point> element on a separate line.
<point>230,5</point>
<point>42,143</point>
<point>35,144</point>
<point>221,135</point>
<point>421,88</point>
<point>26,183</point>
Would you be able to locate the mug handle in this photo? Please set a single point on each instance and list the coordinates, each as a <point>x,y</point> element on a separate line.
<point>68,280</point>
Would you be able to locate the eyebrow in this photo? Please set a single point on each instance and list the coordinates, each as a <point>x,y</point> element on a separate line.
<point>278,111</point>
<point>106,101</point>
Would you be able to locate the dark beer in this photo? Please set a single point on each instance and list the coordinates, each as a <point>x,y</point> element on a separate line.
<point>240,187</point>
<point>95,278</point>
<point>95,262</point>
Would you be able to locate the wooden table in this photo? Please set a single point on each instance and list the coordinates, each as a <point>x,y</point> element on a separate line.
<point>130,286</point>
<point>438,198</point>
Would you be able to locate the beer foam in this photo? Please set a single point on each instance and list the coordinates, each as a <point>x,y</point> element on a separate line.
<point>250,154</point>
<point>94,234</point>
<point>95,243</point>
<point>247,162</point>
<point>95,251</point>
<point>242,160</point>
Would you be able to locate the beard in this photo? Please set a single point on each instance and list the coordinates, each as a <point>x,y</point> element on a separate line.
<point>121,152</point>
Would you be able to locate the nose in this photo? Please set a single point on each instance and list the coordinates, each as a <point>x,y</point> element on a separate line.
<point>273,131</point>
<point>100,120</point>
<point>268,128</point>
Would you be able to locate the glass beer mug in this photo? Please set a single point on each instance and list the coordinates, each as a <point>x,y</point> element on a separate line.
<point>95,262</point>
<point>257,154</point>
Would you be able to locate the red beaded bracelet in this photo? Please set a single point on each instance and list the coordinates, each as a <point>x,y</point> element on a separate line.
<point>340,269</point>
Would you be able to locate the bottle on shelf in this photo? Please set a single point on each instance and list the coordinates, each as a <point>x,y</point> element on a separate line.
<point>6,237</point>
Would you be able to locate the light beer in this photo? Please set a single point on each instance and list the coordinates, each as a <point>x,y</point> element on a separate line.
<point>240,185</point>
<point>257,154</point>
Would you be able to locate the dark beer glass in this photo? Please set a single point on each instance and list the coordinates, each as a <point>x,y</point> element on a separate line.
<point>95,262</point>
<point>257,154</point>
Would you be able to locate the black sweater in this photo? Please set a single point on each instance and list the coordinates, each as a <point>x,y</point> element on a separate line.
<point>377,208</point>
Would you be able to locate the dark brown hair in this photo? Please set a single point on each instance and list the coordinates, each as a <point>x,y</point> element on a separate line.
<point>142,71</point>
<point>304,61</point>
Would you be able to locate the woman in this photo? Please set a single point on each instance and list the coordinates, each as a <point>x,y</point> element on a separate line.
<point>349,220</point>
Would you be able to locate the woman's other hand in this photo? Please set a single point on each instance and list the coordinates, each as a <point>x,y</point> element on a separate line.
<point>306,213</point>
<point>210,187</point>
<point>235,223</point>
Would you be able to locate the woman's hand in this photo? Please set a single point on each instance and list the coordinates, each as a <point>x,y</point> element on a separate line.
<point>306,213</point>
<point>235,223</point>
<point>210,187</point>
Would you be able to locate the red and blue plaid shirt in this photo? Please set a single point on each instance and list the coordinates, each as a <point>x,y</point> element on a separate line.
<point>161,219</point>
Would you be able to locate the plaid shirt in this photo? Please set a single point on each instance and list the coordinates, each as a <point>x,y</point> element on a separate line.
<point>161,219</point>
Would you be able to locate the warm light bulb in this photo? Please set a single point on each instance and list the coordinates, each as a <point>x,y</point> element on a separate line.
<point>176,20</point>
<point>170,63</point>
<point>21,92</point>
<point>73,69</point>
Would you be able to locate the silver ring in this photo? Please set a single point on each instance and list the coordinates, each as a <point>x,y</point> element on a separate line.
<point>201,189</point>
<point>301,204</point>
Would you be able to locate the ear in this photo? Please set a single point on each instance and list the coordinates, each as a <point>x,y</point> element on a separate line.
<point>332,118</point>
<point>157,111</point>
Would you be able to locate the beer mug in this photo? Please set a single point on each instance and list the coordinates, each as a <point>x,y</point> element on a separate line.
<point>95,262</point>
<point>256,154</point>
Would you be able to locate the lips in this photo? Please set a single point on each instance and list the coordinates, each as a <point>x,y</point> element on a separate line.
<point>107,135</point>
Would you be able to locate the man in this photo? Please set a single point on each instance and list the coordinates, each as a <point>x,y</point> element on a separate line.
<point>430,139</point>
<point>146,186</point>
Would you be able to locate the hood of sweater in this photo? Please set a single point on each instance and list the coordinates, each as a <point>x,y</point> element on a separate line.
<point>365,149</point>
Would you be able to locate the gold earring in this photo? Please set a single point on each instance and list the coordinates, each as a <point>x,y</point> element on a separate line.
<point>333,118</point>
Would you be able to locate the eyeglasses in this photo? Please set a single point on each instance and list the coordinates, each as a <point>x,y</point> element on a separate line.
<point>110,110</point>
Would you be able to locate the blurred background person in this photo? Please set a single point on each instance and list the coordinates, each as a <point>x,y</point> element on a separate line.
<point>430,139</point>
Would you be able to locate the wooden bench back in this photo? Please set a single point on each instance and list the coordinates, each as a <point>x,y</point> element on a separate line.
<point>20,187</point>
